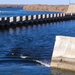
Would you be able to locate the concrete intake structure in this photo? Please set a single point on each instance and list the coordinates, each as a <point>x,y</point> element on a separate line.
<point>64,53</point>
<point>6,22</point>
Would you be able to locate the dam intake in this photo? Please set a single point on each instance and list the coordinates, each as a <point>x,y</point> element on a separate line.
<point>7,22</point>
<point>64,53</point>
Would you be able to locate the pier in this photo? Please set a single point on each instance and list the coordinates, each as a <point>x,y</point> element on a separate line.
<point>6,22</point>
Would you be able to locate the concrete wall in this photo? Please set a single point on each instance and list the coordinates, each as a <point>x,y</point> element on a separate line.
<point>64,53</point>
<point>71,8</point>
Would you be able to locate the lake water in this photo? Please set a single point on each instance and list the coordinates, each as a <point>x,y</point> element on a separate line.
<point>28,50</point>
<point>18,11</point>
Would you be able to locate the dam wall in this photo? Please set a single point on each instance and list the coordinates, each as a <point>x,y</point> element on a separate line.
<point>64,53</point>
<point>6,22</point>
<point>71,8</point>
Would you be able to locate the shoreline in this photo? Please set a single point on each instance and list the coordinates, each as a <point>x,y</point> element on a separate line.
<point>41,7</point>
<point>11,6</point>
<point>52,8</point>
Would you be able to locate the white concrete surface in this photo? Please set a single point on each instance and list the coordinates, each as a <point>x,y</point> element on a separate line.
<point>64,53</point>
<point>71,8</point>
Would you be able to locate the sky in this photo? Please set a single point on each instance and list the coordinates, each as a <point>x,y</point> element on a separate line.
<point>49,2</point>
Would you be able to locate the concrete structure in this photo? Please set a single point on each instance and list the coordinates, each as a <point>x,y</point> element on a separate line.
<point>71,8</point>
<point>6,22</point>
<point>64,53</point>
<point>56,71</point>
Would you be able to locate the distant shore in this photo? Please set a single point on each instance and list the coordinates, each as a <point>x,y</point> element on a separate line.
<point>53,8</point>
<point>38,7</point>
<point>11,6</point>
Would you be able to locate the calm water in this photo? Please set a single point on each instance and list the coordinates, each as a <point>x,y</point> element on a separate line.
<point>35,43</point>
<point>18,11</point>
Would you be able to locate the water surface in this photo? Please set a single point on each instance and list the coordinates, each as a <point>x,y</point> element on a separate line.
<point>33,42</point>
<point>8,12</point>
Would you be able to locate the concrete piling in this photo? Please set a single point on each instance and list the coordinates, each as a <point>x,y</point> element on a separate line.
<point>34,17</point>
<point>24,18</point>
<point>44,18</point>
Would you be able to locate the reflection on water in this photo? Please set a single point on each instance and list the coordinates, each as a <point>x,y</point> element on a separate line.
<point>11,31</point>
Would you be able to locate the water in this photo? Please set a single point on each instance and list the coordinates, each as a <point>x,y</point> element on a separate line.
<point>18,12</point>
<point>28,50</point>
